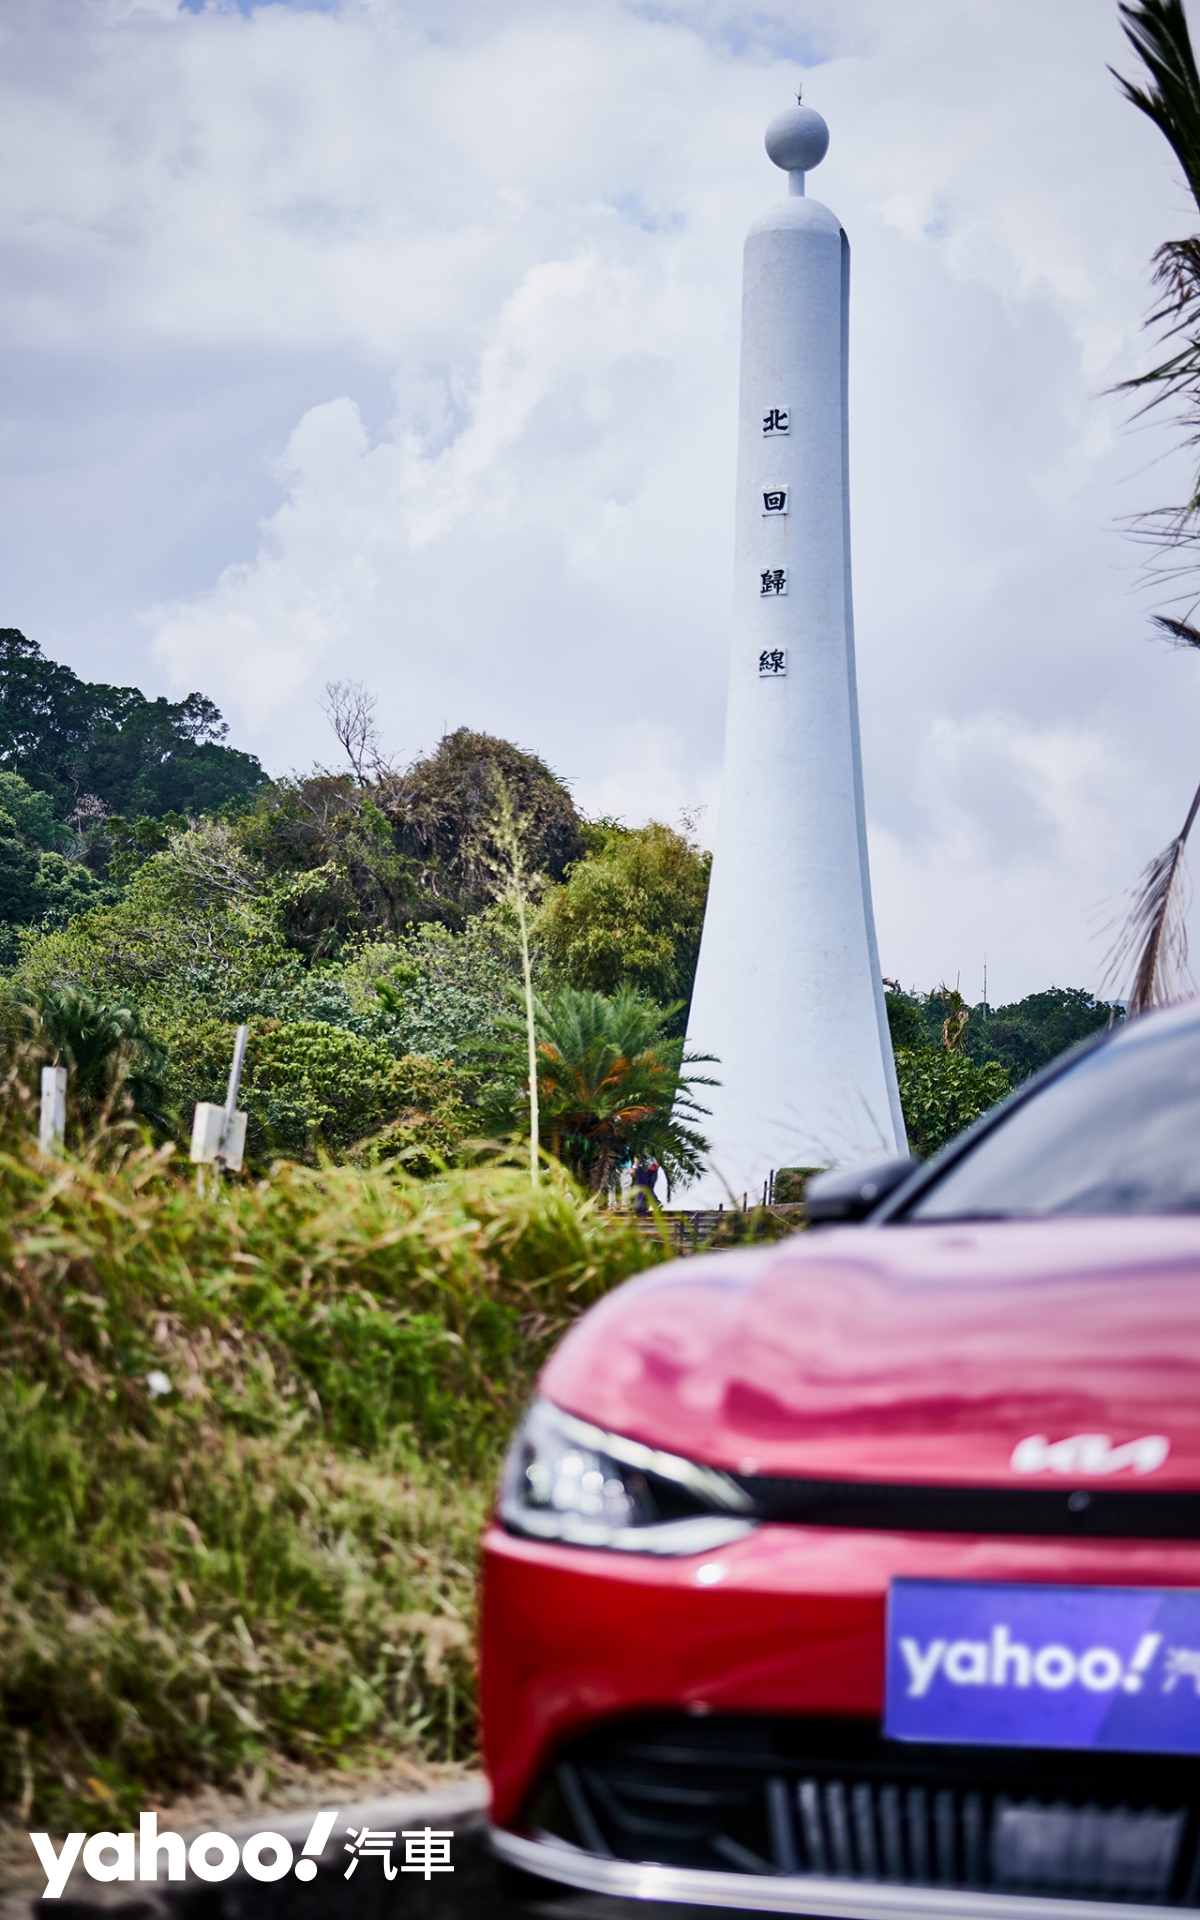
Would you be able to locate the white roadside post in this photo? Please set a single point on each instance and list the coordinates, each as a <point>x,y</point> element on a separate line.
<point>219,1133</point>
<point>53,1127</point>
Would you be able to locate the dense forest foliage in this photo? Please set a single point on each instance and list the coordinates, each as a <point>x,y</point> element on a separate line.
<point>156,889</point>
<point>155,886</point>
<point>954,1061</point>
<point>98,750</point>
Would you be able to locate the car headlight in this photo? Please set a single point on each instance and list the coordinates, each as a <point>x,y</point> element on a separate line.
<point>567,1480</point>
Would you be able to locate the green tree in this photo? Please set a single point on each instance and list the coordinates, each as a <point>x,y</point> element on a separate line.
<point>31,812</point>
<point>18,878</point>
<point>906,1019</point>
<point>194,933</point>
<point>69,737</point>
<point>942,1091</point>
<point>62,888</point>
<point>443,814</point>
<point>430,991</point>
<point>37,884</point>
<point>613,1081</point>
<point>1029,1033</point>
<point>359,857</point>
<point>331,853</point>
<point>121,846</point>
<point>1020,1037</point>
<point>630,914</point>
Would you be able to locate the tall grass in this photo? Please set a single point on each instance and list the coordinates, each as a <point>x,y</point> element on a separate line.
<point>273,1559</point>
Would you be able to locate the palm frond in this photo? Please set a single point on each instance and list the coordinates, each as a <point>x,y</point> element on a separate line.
<point>1180,632</point>
<point>1153,941</point>
<point>1158,32</point>
<point>614,1081</point>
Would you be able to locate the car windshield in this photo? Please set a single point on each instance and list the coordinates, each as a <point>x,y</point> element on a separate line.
<point>1118,1132</point>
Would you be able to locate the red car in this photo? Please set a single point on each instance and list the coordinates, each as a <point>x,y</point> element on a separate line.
<point>858,1575</point>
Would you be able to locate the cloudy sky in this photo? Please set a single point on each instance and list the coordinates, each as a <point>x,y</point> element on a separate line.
<point>397,340</point>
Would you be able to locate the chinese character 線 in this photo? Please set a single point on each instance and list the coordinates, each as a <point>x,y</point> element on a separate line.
<point>1183,1663</point>
<point>365,1845</point>
<point>775,501</point>
<point>776,421</point>
<point>774,580</point>
<point>427,1851</point>
<point>772,660</point>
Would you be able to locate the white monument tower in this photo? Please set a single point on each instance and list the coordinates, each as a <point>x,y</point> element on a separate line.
<point>788,994</point>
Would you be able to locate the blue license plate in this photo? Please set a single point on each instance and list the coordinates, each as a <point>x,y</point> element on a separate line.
<point>1019,1666</point>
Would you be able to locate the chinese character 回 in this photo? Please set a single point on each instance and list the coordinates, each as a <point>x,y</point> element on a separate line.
<point>773,661</point>
<point>365,1845</point>
<point>774,580</point>
<point>776,421</point>
<point>427,1851</point>
<point>775,501</point>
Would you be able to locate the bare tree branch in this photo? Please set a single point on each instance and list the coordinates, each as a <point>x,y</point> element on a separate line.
<point>350,710</point>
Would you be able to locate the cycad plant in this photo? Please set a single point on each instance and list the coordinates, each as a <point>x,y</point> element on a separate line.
<point>115,1066</point>
<point>612,1082</point>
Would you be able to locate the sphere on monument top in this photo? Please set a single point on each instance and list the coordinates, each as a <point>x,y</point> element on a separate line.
<point>798,139</point>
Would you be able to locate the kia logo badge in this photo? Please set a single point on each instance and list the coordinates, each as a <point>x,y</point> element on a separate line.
<point>1089,1453</point>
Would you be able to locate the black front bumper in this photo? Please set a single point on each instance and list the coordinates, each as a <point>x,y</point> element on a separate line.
<point>825,1816</point>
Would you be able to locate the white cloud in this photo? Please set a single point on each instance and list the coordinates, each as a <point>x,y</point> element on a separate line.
<point>399,342</point>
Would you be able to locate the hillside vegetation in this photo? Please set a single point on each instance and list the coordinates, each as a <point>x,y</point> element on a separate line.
<point>246,1446</point>
<point>248,1437</point>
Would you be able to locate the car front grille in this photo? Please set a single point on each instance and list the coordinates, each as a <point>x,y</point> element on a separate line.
<point>832,1798</point>
<point>1064,1511</point>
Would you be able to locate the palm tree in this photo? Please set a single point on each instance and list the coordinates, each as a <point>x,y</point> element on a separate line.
<point>1152,944</point>
<point>612,1082</point>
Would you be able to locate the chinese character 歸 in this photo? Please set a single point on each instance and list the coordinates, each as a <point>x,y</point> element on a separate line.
<point>365,1845</point>
<point>1183,1663</point>
<point>427,1850</point>
<point>774,580</point>
<point>776,421</point>
<point>775,501</point>
<point>771,661</point>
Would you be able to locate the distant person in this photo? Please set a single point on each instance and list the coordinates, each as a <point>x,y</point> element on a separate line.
<point>645,1174</point>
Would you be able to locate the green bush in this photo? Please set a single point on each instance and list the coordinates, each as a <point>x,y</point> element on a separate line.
<point>790,1184</point>
<point>310,1088</point>
<point>432,991</point>
<point>272,1557</point>
<point>942,1091</point>
<point>630,914</point>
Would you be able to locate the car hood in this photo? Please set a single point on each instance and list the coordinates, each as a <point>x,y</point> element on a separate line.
<point>918,1354</point>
